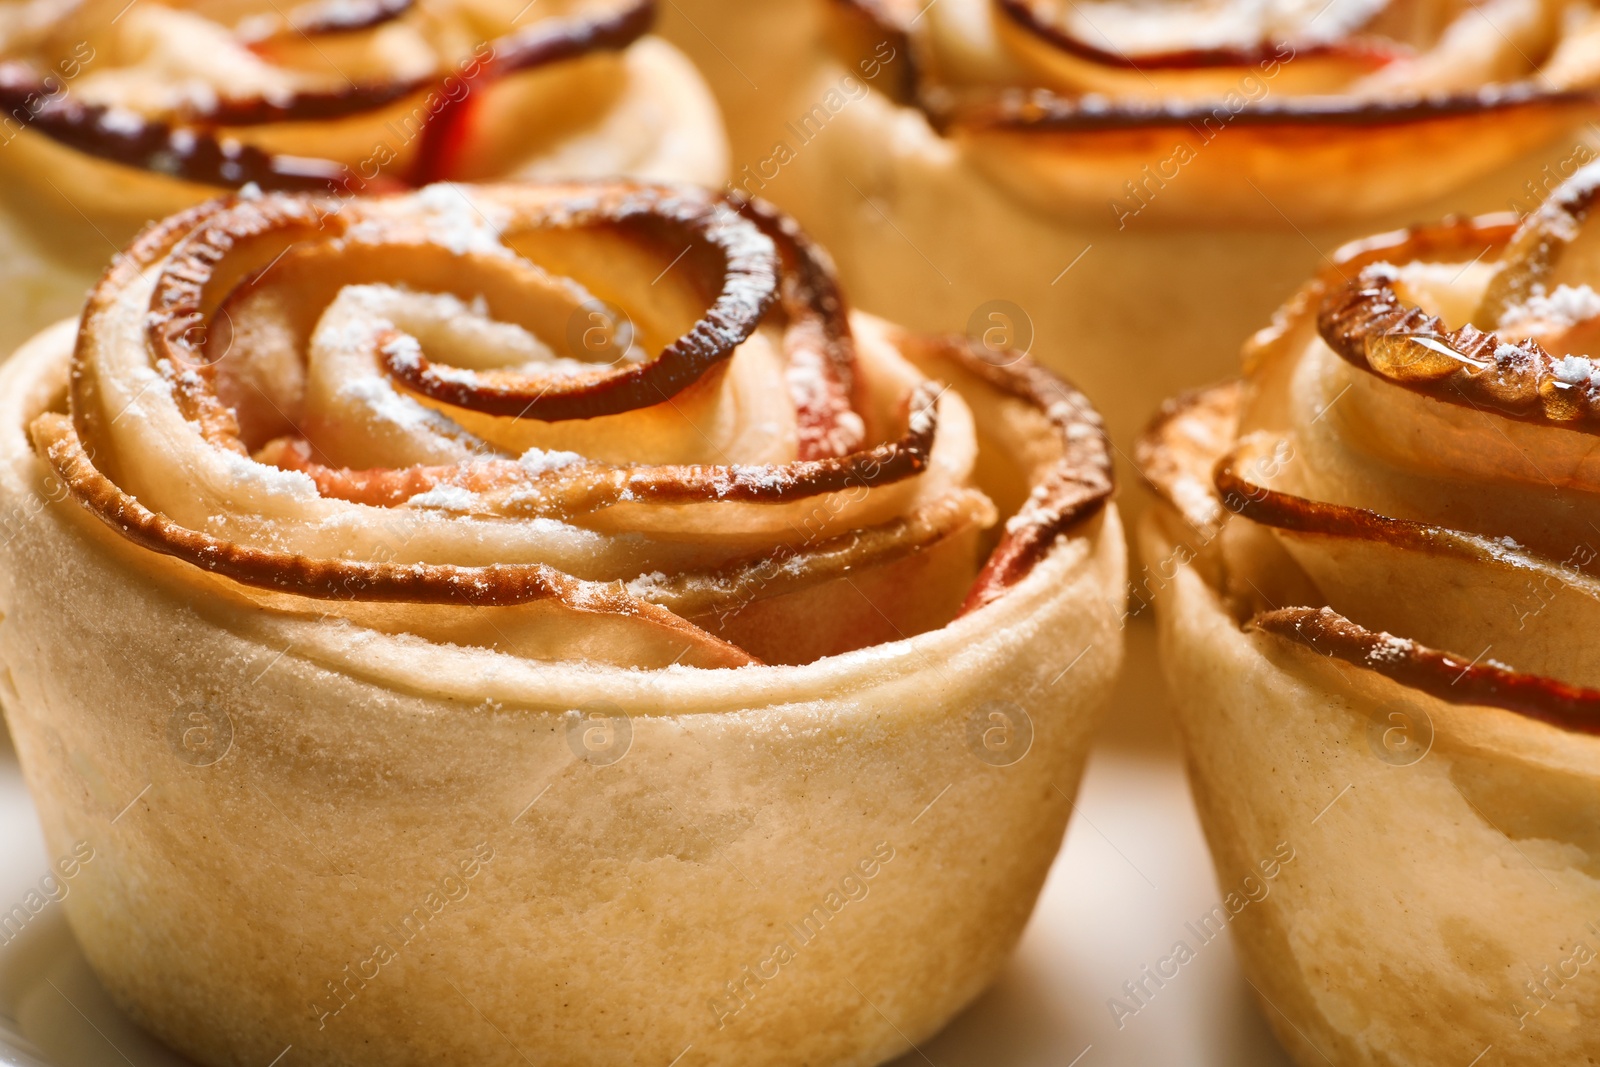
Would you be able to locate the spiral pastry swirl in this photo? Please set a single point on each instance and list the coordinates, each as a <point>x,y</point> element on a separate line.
<point>542,560</point>
<point>261,384</point>
<point>1073,104</point>
<point>213,94</point>
<point>114,117</point>
<point>1384,537</point>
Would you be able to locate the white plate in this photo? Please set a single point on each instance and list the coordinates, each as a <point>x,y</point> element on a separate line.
<point>1133,871</point>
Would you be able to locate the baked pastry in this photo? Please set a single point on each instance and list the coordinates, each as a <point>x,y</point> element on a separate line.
<point>483,702</point>
<point>1373,570</point>
<point>118,115</point>
<point>1073,105</point>
<point>1126,188</point>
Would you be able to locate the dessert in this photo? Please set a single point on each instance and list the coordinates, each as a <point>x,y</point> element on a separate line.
<point>116,115</point>
<point>1373,569</point>
<point>1127,188</point>
<point>433,687</point>
<point>1067,105</point>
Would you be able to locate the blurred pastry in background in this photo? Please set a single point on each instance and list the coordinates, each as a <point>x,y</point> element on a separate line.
<point>1380,556</point>
<point>117,114</point>
<point>1126,188</point>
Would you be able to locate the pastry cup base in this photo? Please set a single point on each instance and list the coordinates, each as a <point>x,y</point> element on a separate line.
<point>374,850</point>
<point>1423,896</point>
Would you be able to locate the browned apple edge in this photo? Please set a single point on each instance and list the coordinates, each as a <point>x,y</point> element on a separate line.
<point>192,250</point>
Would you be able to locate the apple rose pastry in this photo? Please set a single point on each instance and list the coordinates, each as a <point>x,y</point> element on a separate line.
<point>1071,106</point>
<point>1127,187</point>
<point>538,625</point>
<point>1373,569</point>
<point>116,114</point>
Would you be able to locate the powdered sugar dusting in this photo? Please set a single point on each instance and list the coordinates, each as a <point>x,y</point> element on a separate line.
<point>646,584</point>
<point>246,471</point>
<point>403,351</point>
<point>386,404</point>
<point>459,222</point>
<point>538,461</point>
<point>448,497</point>
<point>451,217</point>
<point>1565,306</point>
<point>1390,649</point>
<point>1573,370</point>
